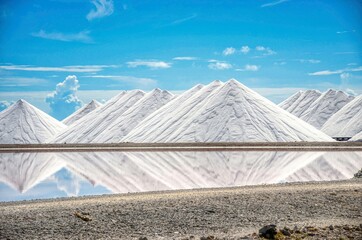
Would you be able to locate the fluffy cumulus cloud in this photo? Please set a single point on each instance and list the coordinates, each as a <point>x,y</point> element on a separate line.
<point>5,104</point>
<point>344,76</point>
<point>245,49</point>
<point>253,68</point>
<point>64,101</point>
<point>229,51</point>
<point>219,65</point>
<point>265,50</point>
<point>103,8</point>
<point>68,183</point>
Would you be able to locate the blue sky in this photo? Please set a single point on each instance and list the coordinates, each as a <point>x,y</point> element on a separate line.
<point>276,47</point>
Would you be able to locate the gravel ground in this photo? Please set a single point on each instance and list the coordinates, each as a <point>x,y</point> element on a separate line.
<point>308,210</point>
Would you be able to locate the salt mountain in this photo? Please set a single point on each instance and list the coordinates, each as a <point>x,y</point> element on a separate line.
<point>357,137</point>
<point>298,103</point>
<point>347,122</point>
<point>219,112</point>
<point>322,108</point>
<point>81,112</point>
<point>115,118</point>
<point>22,123</point>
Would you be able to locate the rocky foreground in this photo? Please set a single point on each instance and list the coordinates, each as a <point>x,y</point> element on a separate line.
<point>327,210</point>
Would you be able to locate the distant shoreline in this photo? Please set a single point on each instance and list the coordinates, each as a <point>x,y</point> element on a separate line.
<point>240,146</point>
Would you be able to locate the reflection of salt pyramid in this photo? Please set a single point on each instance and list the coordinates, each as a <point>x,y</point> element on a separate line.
<point>151,171</point>
<point>22,171</point>
<point>330,166</point>
<point>24,123</point>
<point>228,112</point>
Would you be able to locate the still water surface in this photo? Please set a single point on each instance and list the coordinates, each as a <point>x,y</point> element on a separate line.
<point>50,175</point>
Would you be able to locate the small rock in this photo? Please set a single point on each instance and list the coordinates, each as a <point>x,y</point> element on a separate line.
<point>358,174</point>
<point>208,238</point>
<point>286,231</point>
<point>331,227</point>
<point>311,229</point>
<point>346,227</point>
<point>268,231</point>
<point>142,238</point>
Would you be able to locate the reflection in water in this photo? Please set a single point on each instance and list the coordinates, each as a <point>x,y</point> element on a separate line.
<point>22,171</point>
<point>121,172</point>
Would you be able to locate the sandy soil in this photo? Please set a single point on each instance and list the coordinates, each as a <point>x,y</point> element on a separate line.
<point>224,213</point>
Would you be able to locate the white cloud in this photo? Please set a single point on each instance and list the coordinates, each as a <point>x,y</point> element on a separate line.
<point>218,65</point>
<point>273,3</point>
<point>343,53</point>
<point>185,58</point>
<point>67,182</point>
<point>265,50</point>
<point>314,61</point>
<point>280,63</point>
<point>82,36</point>
<point>153,64</point>
<point>351,92</point>
<point>75,68</point>
<point>328,72</point>
<point>342,32</point>
<point>64,100</point>
<point>325,72</point>
<point>135,81</point>
<point>344,76</point>
<point>103,8</point>
<point>249,67</point>
<point>5,104</point>
<point>178,21</point>
<point>229,51</point>
<point>20,81</point>
<point>245,49</point>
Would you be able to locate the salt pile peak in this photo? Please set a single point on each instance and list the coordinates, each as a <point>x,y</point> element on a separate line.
<point>81,112</point>
<point>298,103</point>
<point>228,112</point>
<point>162,123</point>
<point>22,123</point>
<point>97,121</point>
<point>347,122</point>
<point>124,123</point>
<point>325,106</point>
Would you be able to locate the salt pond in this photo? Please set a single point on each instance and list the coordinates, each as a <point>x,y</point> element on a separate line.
<point>36,175</point>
